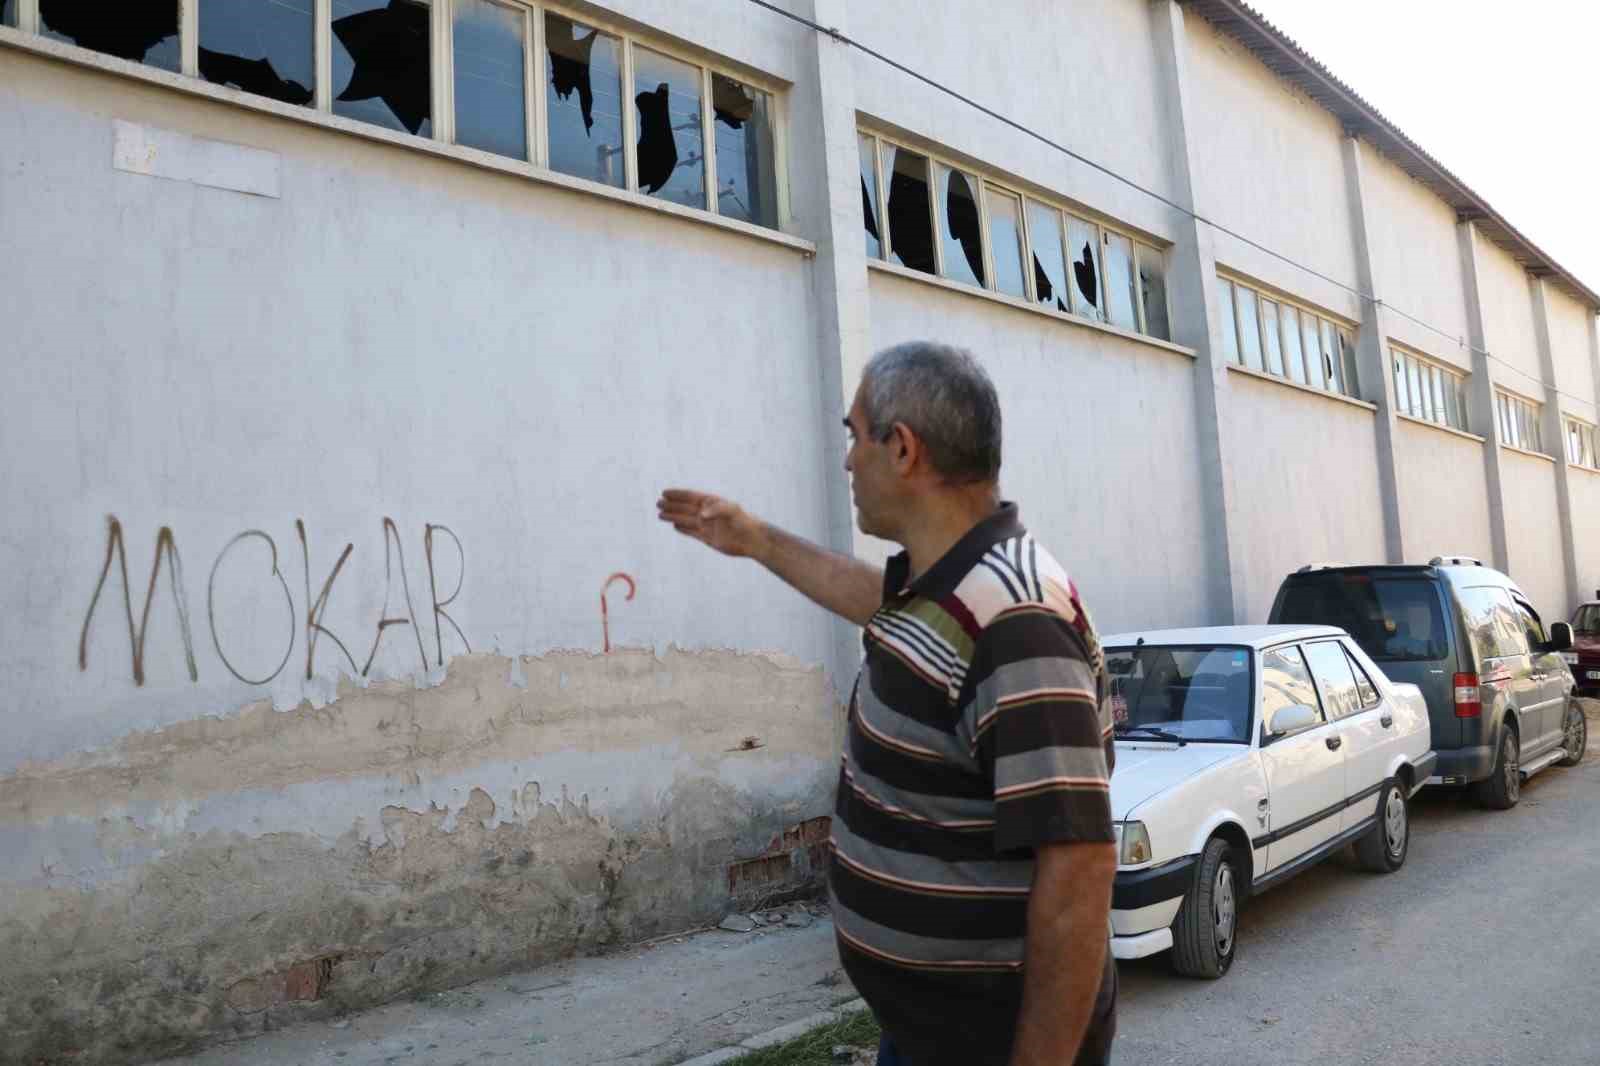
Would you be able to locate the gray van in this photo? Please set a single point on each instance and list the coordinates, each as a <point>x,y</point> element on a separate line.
<point>1499,693</point>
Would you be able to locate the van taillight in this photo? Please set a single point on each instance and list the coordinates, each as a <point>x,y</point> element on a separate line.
<point>1469,700</point>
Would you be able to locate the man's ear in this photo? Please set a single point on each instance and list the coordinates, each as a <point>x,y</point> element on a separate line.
<point>905,448</point>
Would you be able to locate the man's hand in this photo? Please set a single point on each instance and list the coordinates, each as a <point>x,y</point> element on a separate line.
<point>844,585</point>
<point>713,521</point>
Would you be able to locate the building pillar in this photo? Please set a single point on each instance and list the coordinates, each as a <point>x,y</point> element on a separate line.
<point>1554,430</point>
<point>1196,318</point>
<point>1372,354</point>
<point>1481,393</point>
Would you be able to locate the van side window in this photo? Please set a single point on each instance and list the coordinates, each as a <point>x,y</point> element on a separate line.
<point>1492,622</point>
<point>1364,686</point>
<point>1532,629</point>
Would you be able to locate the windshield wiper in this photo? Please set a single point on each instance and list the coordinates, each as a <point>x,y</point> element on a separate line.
<point>1159,734</point>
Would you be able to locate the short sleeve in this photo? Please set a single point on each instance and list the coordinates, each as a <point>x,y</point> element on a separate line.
<point>1042,730</point>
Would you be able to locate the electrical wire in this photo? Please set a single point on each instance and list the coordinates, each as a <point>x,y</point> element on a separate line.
<point>1027,131</point>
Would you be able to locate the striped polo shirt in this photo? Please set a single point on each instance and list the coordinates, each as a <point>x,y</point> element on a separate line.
<point>980,728</point>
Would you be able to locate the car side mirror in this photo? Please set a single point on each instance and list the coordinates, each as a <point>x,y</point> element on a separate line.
<point>1291,719</point>
<point>1560,636</point>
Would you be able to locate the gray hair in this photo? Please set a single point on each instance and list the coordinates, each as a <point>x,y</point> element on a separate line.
<point>945,398</point>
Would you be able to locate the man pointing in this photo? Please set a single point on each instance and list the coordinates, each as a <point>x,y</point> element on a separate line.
<point>972,853</point>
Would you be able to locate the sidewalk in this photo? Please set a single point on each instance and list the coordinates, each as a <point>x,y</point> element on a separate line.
<point>652,1005</point>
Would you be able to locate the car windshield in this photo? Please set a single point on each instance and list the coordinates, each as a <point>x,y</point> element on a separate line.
<point>1394,619</point>
<point>1198,693</point>
<point>1587,620</point>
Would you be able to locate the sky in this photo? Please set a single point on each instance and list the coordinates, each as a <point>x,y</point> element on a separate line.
<point>1502,92</point>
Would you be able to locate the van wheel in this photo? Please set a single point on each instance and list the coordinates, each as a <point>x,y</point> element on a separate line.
<point>1503,787</point>
<point>1574,734</point>
<point>1383,849</point>
<point>1205,931</point>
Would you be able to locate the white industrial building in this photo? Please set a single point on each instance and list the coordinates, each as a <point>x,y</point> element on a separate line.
<point>349,343</point>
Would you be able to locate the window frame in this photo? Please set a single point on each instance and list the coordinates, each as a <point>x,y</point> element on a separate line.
<point>1326,324</point>
<point>1330,711</point>
<point>1587,438</point>
<point>1518,425</point>
<point>1452,382</point>
<point>1065,213</point>
<point>1261,701</point>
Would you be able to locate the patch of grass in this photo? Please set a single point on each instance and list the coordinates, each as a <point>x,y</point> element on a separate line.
<point>816,1047</point>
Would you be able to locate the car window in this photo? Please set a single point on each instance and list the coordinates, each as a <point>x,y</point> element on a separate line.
<point>1587,619</point>
<point>1532,628</point>
<point>1492,622</point>
<point>1197,692</point>
<point>1364,686</point>
<point>1394,619</point>
<point>1285,682</point>
<point>1335,679</point>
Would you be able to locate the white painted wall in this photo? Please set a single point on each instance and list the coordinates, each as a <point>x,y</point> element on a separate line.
<point>1508,321</point>
<point>1533,531</point>
<point>1100,448</point>
<point>1444,502</point>
<point>1417,260</point>
<point>1570,326</point>
<point>1585,488</point>
<point>1307,480</point>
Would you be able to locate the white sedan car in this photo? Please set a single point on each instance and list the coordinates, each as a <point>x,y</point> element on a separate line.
<point>1244,755</point>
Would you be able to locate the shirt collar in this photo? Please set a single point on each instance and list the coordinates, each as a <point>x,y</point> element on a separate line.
<point>942,577</point>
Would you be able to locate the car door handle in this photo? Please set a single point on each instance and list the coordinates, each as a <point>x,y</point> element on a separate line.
<point>1387,720</point>
<point>1334,743</point>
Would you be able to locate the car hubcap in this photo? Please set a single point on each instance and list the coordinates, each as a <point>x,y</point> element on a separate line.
<point>1575,729</point>
<point>1394,820</point>
<point>1223,902</point>
<point>1513,773</point>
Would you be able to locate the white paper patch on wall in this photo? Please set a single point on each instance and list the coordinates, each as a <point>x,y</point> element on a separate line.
<point>166,154</point>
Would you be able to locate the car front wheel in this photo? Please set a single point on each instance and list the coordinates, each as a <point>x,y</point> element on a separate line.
<point>1503,787</point>
<point>1575,734</point>
<point>1204,933</point>
<point>1383,849</point>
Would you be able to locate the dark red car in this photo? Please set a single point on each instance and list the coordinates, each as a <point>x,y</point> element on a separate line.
<point>1585,653</point>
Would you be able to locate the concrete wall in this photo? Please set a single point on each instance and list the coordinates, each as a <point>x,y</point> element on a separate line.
<point>1570,326</point>
<point>1533,531</point>
<point>1585,487</point>
<point>1444,503</point>
<point>393,336</point>
<point>1100,447</point>
<point>1307,477</point>
<point>1510,333</point>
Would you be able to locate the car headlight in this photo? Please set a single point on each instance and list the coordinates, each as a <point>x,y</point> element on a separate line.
<point>1133,843</point>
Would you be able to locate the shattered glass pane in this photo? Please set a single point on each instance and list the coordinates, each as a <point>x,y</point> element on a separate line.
<point>868,151</point>
<point>1293,359</point>
<point>1083,249</point>
<point>1347,346</point>
<point>1452,406</point>
<point>1049,265</point>
<point>1005,237</point>
<point>1230,326</point>
<point>1402,393</point>
<point>490,92</point>
<point>747,177</point>
<point>1153,290</point>
<point>1269,331</point>
<point>145,31</point>
<point>960,235</point>
<point>1311,341</point>
<point>1332,360</point>
<point>264,49</point>
<point>1461,405</point>
<point>910,208</point>
<point>583,101</point>
<point>1249,328</point>
<point>382,69</point>
<point>671,157</point>
<point>1120,297</point>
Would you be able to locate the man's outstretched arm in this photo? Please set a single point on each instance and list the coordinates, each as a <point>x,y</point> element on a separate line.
<point>843,584</point>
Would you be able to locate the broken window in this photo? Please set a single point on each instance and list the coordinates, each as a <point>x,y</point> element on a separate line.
<point>1249,328</point>
<point>671,153</point>
<point>1333,358</point>
<point>145,31</point>
<point>1311,341</point>
<point>1293,358</point>
<point>1121,300</point>
<point>264,49</point>
<point>583,101</point>
<point>1420,402</point>
<point>1229,322</point>
<point>961,236</point>
<point>382,72</point>
<point>491,92</point>
<point>1402,392</point>
<point>910,209</point>
<point>1153,292</point>
<point>1005,238</point>
<point>747,179</point>
<point>1049,265</point>
<point>1083,249</point>
<point>868,150</point>
<point>1271,335</point>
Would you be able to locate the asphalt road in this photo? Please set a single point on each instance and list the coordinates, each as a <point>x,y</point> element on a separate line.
<point>1483,948</point>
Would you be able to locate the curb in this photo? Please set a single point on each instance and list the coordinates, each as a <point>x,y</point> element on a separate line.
<point>776,1036</point>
